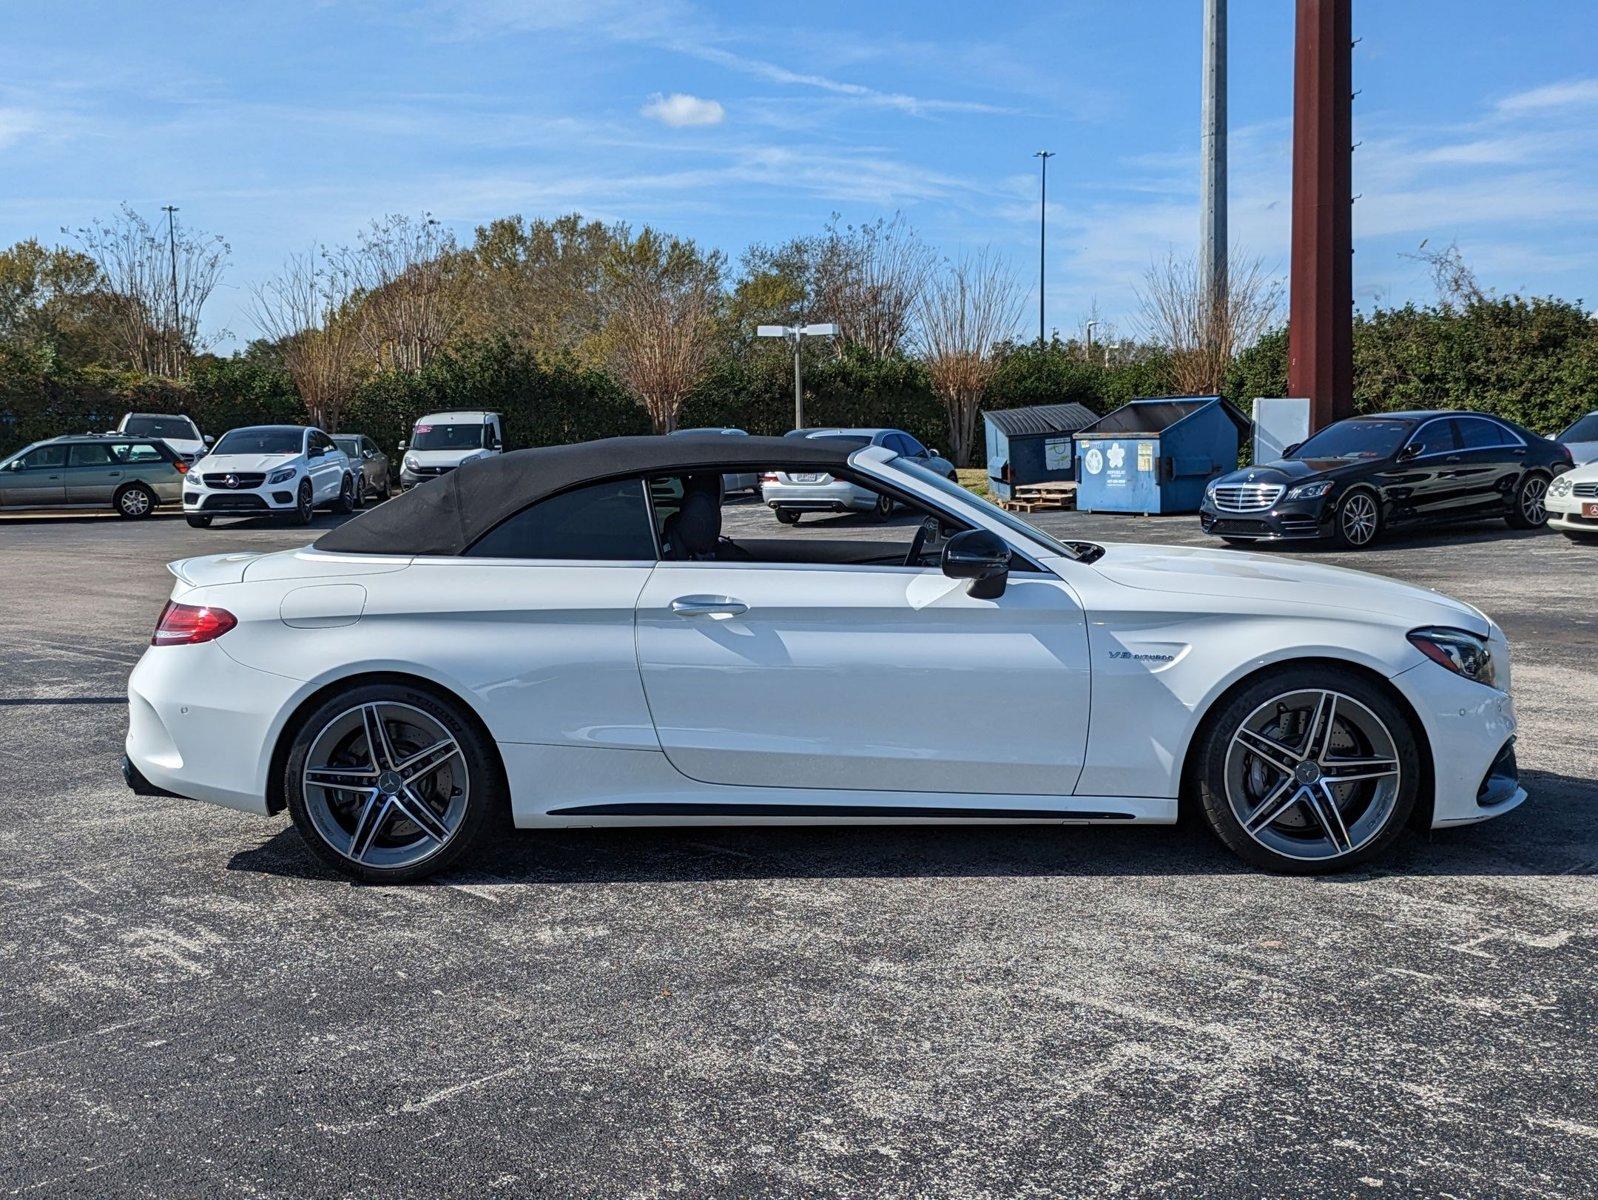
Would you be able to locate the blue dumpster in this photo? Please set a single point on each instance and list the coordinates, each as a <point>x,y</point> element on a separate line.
<point>1032,445</point>
<point>1155,455</point>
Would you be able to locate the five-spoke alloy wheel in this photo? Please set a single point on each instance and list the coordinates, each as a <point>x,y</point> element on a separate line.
<point>1309,770</point>
<point>391,783</point>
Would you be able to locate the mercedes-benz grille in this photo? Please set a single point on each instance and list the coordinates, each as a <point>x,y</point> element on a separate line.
<point>1247,497</point>
<point>235,479</point>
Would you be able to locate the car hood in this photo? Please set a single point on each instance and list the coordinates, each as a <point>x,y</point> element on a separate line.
<point>1189,570</point>
<point>1295,470</point>
<point>442,458</point>
<point>223,463</point>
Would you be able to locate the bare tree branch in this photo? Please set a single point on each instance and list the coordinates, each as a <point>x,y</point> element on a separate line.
<point>1203,334</point>
<point>404,270</point>
<point>306,312</point>
<point>966,310</point>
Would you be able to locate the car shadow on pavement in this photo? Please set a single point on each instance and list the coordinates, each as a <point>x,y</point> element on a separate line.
<point>1464,534</point>
<point>1551,834</point>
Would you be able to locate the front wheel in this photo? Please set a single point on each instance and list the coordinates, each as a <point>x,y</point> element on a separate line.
<point>345,503</point>
<point>304,509</point>
<point>389,783</point>
<point>1357,521</point>
<point>1530,509</point>
<point>198,520</point>
<point>135,501</point>
<point>1308,770</point>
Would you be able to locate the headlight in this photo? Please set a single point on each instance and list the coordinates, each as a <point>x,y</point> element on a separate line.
<point>1462,653</point>
<point>281,475</point>
<point>1309,491</point>
<point>410,463</point>
<point>1559,487</point>
<point>1209,488</point>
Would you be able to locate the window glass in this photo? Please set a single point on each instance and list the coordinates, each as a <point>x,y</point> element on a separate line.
<point>140,452</point>
<point>450,437</point>
<point>350,445</point>
<point>1584,430</point>
<point>261,439</point>
<point>43,457</point>
<point>604,521</point>
<point>913,448</point>
<point>1476,434</point>
<point>162,427</point>
<point>91,454</point>
<point>1437,437</point>
<point>1355,438</point>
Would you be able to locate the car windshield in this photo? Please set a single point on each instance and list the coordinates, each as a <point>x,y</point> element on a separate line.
<point>448,437</point>
<point>162,427</point>
<point>1584,430</point>
<point>1355,439</point>
<point>953,490</point>
<point>263,440</point>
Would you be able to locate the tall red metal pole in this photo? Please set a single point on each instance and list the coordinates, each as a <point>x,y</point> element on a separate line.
<point>1320,361</point>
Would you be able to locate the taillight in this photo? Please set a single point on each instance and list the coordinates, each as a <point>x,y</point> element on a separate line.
<point>182,465</point>
<point>186,624</point>
<point>769,477</point>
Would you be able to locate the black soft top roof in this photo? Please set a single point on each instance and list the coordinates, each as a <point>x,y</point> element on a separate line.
<point>448,514</point>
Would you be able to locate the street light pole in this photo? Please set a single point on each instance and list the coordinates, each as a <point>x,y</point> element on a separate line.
<point>796,334</point>
<point>172,247</point>
<point>1043,157</point>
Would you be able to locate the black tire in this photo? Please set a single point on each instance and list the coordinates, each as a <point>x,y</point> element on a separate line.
<point>360,491</point>
<point>1357,522</point>
<point>787,516</point>
<point>304,510</point>
<point>1239,541</point>
<point>198,520</point>
<point>344,504</point>
<point>884,507</point>
<point>134,501</point>
<point>1530,502</point>
<point>1296,841</point>
<point>388,487</point>
<point>485,804</point>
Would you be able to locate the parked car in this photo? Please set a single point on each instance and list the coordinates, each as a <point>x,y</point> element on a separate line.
<point>269,470</point>
<point>791,495</point>
<point>1359,477</point>
<point>565,636</point>
<point>1581,439</point>
<point>1573,502</point>
<point>175,429</point>
<point>133,475</point>
<point>370,464</point>
<point>735,481</point>
<point>440,442</point>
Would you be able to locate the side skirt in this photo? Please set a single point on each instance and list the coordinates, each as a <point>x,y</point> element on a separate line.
<point>832,812</point>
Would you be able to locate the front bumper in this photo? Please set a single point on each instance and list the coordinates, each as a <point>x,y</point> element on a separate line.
<point>1564,512</point>
<point>1471,729</point>
<point>837,495</point>
<point>275,498</point>
<point>1286,520</point>
<point>411,477</point>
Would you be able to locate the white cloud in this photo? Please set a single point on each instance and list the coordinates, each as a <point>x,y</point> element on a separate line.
<point>15,124</point>
<point>1572,93</point>
<point>680,109</point>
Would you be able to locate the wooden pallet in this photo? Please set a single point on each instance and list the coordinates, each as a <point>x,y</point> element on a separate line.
<point>1041,497</point>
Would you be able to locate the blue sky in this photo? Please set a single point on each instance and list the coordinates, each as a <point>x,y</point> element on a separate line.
<point>286,124</point>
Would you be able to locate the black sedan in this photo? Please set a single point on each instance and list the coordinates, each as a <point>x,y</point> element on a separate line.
<point>1356,478</point>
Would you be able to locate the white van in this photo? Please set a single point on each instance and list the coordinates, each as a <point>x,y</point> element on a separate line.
<point>440,442</point>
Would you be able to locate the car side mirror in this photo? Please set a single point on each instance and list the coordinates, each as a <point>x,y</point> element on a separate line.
<point>401,447</point>
<point>1413,450</point>
<point>1289,451</point>
<point>208,440</point>
<point>982,557</point>
<point>934,453</point>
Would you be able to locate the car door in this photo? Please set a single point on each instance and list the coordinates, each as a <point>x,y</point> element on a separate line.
<point>1491,461</point>
<point>326,469</point>
<point>93,473</point>
<point>887,678</point>
<point>1421,485</point>
<point>36,479</point>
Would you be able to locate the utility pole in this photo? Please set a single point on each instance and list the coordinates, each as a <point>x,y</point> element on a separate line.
<point>1212,136</point>
<point>172,249</point>
<point>1320,358</point>
<point>1043,157</point>
<point>796,334</point>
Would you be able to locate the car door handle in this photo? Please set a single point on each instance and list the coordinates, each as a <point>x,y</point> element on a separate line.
<point>708,606</point>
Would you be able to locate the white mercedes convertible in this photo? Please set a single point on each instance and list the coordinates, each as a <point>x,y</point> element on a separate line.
<point>583,636</point>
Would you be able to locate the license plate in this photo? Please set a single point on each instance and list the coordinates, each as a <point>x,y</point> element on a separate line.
<point>807,478</point>
<point>1589,508</point>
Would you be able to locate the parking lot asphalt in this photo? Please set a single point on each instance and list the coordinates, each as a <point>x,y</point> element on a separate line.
<point>191,1005</point>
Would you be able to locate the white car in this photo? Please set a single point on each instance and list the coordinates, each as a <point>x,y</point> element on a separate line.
<point>440,442</point>
<point>566,636</point>
<point>269,470</point>
<point>175,429</point>
<point>791,494</point>
<point>1572,503</point>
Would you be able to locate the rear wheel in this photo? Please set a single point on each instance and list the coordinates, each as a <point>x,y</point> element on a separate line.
<point>198,520</point>
<point>787,516</point>
<point>884,507</point>
<point>135,501</point>
<point>1308,770</point>
<point>390,783</point>
<point>1358,520</point>
<point>1531,503</point>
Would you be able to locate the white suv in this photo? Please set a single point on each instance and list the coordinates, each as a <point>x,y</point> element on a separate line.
<point>283,470</point>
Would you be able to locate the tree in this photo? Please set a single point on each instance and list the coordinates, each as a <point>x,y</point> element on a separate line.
<point>306,313</point>
<point>405,271</point>
<point>966,310</point>
<point>155,288</point>
<point>1204,333</point>
<point>50,304</point>
<point>662,326</point>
